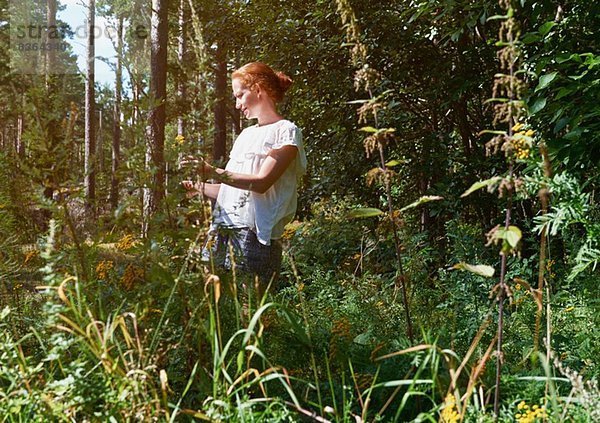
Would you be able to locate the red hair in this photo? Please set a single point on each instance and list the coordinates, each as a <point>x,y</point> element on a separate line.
<point>256,73</point>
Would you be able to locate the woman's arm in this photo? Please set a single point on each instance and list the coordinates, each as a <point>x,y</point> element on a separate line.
<point>208,190</point>
<point>277,161</point>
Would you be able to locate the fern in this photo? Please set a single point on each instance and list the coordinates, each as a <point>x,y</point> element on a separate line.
<point>586,256</point>
<point>571,205</point>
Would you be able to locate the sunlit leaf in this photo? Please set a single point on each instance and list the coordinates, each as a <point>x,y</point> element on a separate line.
<point>363,212</point>
<point>481,184</point>
<point>393,163</point>
<point>422,200</point>
<point>369,129</point>
<point>478,269</point>
<point>513,236</point>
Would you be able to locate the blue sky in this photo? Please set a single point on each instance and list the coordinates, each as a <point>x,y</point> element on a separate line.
<point>75,15</point>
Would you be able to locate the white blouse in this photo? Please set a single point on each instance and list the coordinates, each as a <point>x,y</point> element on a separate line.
<point>268,213</point>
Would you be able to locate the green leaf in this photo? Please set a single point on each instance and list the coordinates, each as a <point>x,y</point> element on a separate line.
<point>513,235</point>
<point>545,28</point>
<point>363,212</point>
<point>369,129</point>
<point>496,17</point>
<point>539,104</point>
<point>393,163</point>
<point>481,184</point>
<point>530,38</point>
<point>574,135</point>
<point>422,200</point>
<point>565,91</point>
<point>545,80</point>
<point>492,131</point>
<point>363,338</point>
<point>478,269</point>
<point>240,360</point>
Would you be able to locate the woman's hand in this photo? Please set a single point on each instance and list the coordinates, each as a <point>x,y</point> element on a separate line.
<point>202,168</point>
<point>191,189</point>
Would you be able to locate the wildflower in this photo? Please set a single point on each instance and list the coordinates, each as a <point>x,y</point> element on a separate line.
<point>290,230</point>
<point>449,412</point>
<point>180,139</point>
<point>126,243</point>
<point>570,308</point>
<point>529,414</point>
<point>103,268</point>
<point>549,265</point>
<point>30,255</point>
<point>520,146</point>
<point>517,127</point>
<point>131,275</point>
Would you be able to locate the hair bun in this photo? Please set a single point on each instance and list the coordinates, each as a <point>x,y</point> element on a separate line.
<point>284,81</point>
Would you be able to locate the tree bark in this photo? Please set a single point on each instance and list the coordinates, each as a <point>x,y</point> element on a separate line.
<point>116,141</point>
<point>53,125</point>
<point>90,113</point>
<point>220,111</point>
<point>20,147</point>
<point>181,56</point>
<point>155,162</point>
<point>50,52</point>
<point>100,142</point>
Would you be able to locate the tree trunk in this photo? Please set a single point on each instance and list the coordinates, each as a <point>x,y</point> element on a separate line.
<point>116,141</point>
<point>52,127</point>
<point>181,56</point>
<point>220,140</point>
<point>50,52</point>
<point>90,112</point>
<point>100,143</point>
<point>155,162</point>
<point>20,147</point>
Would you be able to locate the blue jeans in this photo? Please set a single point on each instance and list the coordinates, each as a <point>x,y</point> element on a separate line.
<point>249,255</point>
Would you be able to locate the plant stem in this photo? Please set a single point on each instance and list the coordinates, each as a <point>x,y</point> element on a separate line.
<point>401,277</point>
<point>502,289</point>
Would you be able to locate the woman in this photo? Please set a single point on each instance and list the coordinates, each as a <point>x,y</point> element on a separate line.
<point>257,191</point>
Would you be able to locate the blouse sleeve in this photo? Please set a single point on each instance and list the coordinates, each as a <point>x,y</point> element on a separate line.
<point>292,135</point>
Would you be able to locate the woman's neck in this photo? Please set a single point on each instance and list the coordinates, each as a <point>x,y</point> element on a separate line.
<point>269,118</point>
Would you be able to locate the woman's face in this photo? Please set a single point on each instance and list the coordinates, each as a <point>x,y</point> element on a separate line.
<point>246,100</point>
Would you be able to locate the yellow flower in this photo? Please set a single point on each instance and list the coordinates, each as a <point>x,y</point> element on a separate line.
<point>103,268</point>
<point>180,139</point>
<point>570,308</point>
<point>449,412</point>
<point>290,229</point>
<point>517,127</point>
<point>529,414</point>
<point>126,243</point>
<point>30,255</point>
